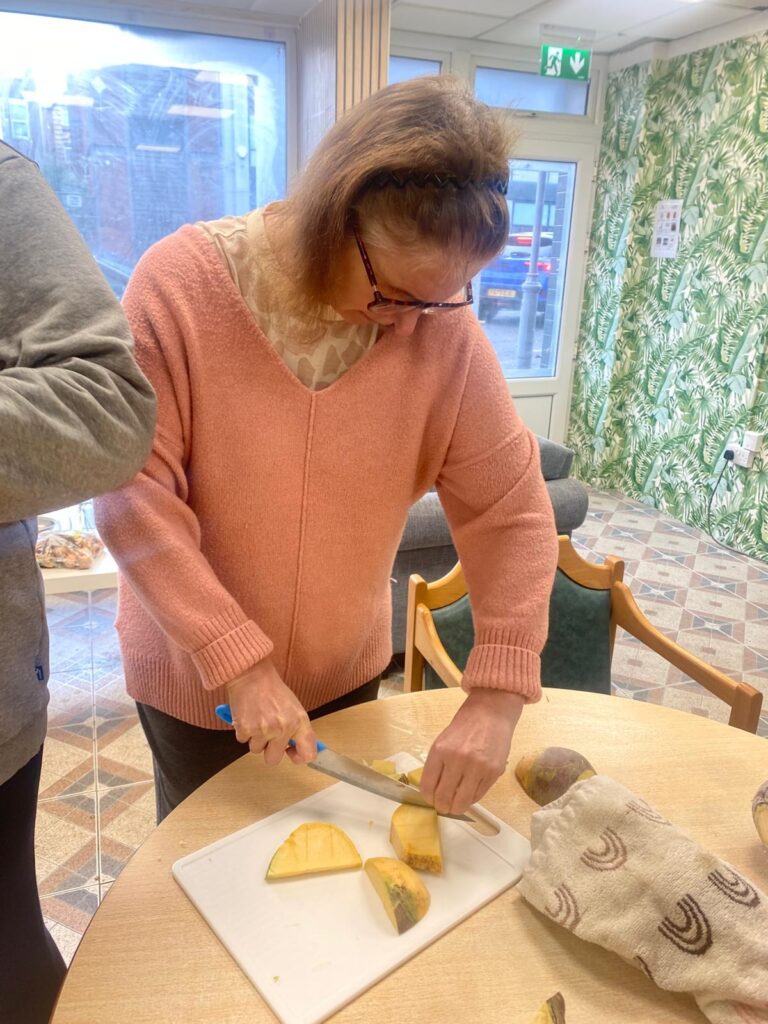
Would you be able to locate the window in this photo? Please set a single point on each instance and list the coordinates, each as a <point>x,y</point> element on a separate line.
<point>18,117</point>
<point>402,68</point>
<point>520,293</point>
<point>141,130</point>
<point>523,90</point>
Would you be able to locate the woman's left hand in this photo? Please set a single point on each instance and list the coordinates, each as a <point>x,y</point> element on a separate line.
<point>471,753</point>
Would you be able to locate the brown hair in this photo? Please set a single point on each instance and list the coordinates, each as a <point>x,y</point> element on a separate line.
<point>420,164</point>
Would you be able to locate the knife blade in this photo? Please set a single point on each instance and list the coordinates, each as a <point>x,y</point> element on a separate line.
<point>346,769</point>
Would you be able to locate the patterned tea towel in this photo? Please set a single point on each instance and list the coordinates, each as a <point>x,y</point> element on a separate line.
<point>613,871</point>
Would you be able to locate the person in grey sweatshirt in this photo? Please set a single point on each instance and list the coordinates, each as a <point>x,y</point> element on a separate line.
<point>76,419</point>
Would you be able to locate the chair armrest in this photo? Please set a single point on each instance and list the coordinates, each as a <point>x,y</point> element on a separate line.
<point>570,501</point>
<point>423,643</point>
<point>745,701</point>
<point>556,459</point>
<point>426,526</point>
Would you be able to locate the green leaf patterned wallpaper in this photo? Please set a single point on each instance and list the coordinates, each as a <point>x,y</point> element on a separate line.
<point>673,353</point>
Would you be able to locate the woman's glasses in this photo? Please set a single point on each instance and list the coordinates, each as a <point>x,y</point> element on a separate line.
<point>382,304</point>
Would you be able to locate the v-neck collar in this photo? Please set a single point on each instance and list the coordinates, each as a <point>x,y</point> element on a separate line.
<point>384,342</point>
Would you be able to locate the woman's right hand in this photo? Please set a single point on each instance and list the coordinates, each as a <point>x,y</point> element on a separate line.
<point>266,714</point>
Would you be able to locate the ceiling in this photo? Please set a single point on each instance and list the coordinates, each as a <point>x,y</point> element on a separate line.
<point>606,26</point>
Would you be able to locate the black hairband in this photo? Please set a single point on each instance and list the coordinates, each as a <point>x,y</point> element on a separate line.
<point>401,179</point>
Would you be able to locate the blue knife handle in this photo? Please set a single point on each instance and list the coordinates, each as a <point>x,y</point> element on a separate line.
<point>320,745</point>
<point>224,711</point>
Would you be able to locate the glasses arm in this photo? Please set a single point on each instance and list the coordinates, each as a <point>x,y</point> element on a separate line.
<point>368,268</point>
<point>379,298</point>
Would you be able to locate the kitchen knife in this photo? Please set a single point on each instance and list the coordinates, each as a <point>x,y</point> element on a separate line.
<point>345,769</point>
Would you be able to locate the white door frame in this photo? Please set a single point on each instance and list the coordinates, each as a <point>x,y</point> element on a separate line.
<point>556,390</point>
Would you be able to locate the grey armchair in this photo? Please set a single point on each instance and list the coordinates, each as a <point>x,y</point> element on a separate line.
<point>426,546</point>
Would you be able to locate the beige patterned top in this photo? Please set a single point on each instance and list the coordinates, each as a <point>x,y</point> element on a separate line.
<point>244,246</point>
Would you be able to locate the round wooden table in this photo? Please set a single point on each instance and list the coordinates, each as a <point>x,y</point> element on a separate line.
<point>149,958</point>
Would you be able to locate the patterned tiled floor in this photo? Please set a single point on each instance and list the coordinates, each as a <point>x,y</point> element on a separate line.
<point>96,797</point>
<point>96,794</point>
<point>712,601</point>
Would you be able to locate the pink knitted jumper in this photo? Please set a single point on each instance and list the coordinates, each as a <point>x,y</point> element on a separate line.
<point>268,516</point>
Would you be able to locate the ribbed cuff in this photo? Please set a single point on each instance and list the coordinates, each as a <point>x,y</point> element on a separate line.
<point>501,667</point>
<point>229,646</point>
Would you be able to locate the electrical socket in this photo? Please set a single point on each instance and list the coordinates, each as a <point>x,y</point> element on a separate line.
<point>752,441</point>
<point>742,456</point>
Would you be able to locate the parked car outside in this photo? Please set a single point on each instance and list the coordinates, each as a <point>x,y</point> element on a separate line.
<point>501,282</point>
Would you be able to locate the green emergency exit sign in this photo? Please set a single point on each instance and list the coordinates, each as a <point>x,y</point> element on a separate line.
<point>565,62</point>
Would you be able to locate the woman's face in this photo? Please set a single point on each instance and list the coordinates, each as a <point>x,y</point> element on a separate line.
<point>399,275</point>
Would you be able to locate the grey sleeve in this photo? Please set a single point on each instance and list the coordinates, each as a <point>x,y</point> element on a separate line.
<point>76,413</point>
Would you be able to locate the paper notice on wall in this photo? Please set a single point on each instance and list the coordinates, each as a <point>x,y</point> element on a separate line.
<point>666,228</point>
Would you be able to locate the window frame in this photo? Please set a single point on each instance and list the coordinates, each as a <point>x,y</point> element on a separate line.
<point>268,29</point>
<point>529,68</point>
<point>414,53</point>
<point>465,55</point>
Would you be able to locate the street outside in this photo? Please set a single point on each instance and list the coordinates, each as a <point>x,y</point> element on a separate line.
<point>502,331</point>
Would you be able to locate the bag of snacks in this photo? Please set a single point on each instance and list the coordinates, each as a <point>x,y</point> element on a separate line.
<point>68,550</point>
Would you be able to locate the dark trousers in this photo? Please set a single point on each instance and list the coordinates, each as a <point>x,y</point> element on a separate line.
<point>185,756</point>
<point>31,966</point>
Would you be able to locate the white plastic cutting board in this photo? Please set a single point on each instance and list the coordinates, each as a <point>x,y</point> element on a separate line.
<point>310,945</point>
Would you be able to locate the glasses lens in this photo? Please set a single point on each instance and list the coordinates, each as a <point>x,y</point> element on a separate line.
<point>386,306</point>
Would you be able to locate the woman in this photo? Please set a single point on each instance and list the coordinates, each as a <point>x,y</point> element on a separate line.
<point>318,367</point>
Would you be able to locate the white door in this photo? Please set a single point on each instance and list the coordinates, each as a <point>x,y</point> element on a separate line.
<point>529,297</point>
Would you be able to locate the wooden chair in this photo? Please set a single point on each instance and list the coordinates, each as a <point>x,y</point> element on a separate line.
<point>588,602</point>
